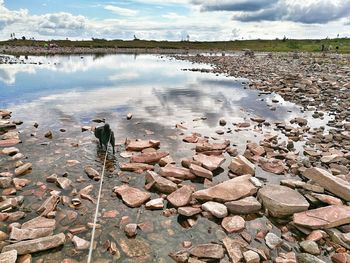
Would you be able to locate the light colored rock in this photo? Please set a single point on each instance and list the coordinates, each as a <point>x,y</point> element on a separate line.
<point>64,183</point>
<point>166,160</point>
<point>10,151</point>
<point>36,245</point>
<point>23,168</point>
<point>229,190</point>
<point>324,217</point>
<point>92,173</point>
<point>139,145</point>
<point>130,230</point>
<point>135,167</point>
<point>209,162</point>
<point>176,172</point>
<point>241,166</point>
<point>282,201</point>
<point>155,204</point>
<point>8,257</point>
<point>200,171</point>
<point>233,224</point>
<point>332,183</point>
<point>181,196</point>
<point>213,251</point>
<point>251,256</point>
<point>149,158</point>
<point>308,258</point>
<point>133,197</point>
<point>39,222</point>
<point>188,211</point>
<point>80,243</point>
<point>216,209</point>
<point>5,182</point>
<point>160,183</point>
<point>272,241</point>
<point>29,233</point>
<point>310,247</point>
<point>246,205</point>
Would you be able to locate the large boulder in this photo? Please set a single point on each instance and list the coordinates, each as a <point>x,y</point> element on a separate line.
<point>229,190</point>
<point>282,201</point>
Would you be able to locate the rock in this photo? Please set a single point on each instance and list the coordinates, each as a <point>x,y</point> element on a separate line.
<point>310,247</point>
<point>135,167</point>
<point>340,258</point>
<point>256,182</point>
<point>49,205</point>
<point>130,230</point>
<point>229,190</point>
<point>155,204</point>
<point>23,168</point>
<point>272,241</point>
<point>181,196</point>
<point>64,183</point>
<point>316,235</point>
<point>272,166</point>
<point>241,166</point>
<point>8,257</point>
<point>149,158</point>
<point>251,256</point>
<point>11,203</point>
<point>188,211</point>
<point>176,172</point>
<point>5,182</point>
<point>36,245</point>
<point>328,199</point>
<point>211,251</point>
<point>332,183</point>
<point>133,197</point>
<point>129,116</point>
<point>161,184</point>
<point>29,233</point>
<point>246,205</point>
<point>166,160</point>
<point>209,162</point>
<point>324,217</point>
<point>10,151</point>
<point>3,236</point>
<point>222,122</point>
<point>308,258</point>
<point>233,224</point>
<point>80,244</point>
<point>19,183</point>
<point>216,209</point>
<point>48,135</point>
<point>9,142</point>
<point>135,247</point>
<point>200,171</point>
<point>92,173</point>
<point>180,256</point>
<point>139,145</point>
<point>282,201</point>
<point>39,222</point>
<point>233,248</point>
<point>209,147</point>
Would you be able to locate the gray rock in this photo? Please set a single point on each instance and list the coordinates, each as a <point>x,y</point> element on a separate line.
<point>251,257</point>
<point>272,241</point>
<point>308,258</point>
<point>246,205</point>
<point>310,247</point>
<point>5,182</point>
<point>216,209</point>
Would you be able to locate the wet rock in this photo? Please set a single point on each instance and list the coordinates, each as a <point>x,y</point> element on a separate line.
<point>282,201</point>
<point>216,209</point>
<point>64,183</point>
<point>11,217</point>
<point>188,211</point>
<point>135,167</point>
<point>19,183</point>
<point>39,222</point>
<point>308,258</point>
<point>182,196</point>
<point>328,199</point>
<point>229,190</point>
<point>209,162</point>
<point>130,230</point>
<point>49,205</point>
<point>149,158</point>
<point>135,247</point>
<point>9,142</point>
<point>80,244</point>
<point>48,135</point>
<point>3,236</point>
<point>176,172</point>
<point>310,247</point>
<point>36,245</point>
<point>5,182</point>
<point>210,251</point>
<point>180,256</point>
<point>222,122</point>
<point>161,184</point>
<point>332,183</point>
<point>11,203</point>
<point>29,233</point>
<point>129,116</point>
<point>241,166</point>
<point>251,256</point>
<point>8,257</point>
<point>246,205</point>
<point>139,145</point>
<point>155,204</point>
<point>324,217</point>
<point>200,171</point>
<point>92,173</point>
<point>208,147</point>
<point>23,169</point>
<point>272,241</point>
<point>10,151</point>
<point>133,197</point>
<point>233,224</point>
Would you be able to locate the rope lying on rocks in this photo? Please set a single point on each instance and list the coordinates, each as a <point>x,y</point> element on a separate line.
<point>97,206</point>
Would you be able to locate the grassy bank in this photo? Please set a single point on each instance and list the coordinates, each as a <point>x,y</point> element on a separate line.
<point>256,45</point>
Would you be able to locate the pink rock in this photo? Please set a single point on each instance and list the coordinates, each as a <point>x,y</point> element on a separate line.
<point>182,196</point>
<point>149,158</point>
<point>133,197</point>
<point>139,145</point>
<point>209,162</point>
<point>135,167</point>
<point>176,172</point>
<point>110,214</point>
<point>160,183</point>
<point>241,165</point>
<point>200,171</point>
<point>9,142</point>
<point>206,146</point>
<point>272,166</point>
<point>233,224</point>
<point>80,244</point>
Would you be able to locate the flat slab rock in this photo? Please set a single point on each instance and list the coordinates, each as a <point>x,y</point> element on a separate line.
<point>133,197</point>
<point>246,205</point>
<point>176,172</point>
<point>333,184</point>
<point>181,196</point>
<point>160,183</point>
<point>281,200</point>
<point>213,251</point>
<point>324,217</point>
<point>135,167</point>
<point>139,145</point>
<point>209,162</point>
<point>36,245</point>
<point>8,257</point>
<point>241,165</point>
<point>229,190</point>
<point>216,209</point>
<point>149,158</point>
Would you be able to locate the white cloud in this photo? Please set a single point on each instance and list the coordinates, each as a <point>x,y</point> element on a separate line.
<point>121,10</point>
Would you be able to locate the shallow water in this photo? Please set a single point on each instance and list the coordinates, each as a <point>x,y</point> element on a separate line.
<point>69,91</point>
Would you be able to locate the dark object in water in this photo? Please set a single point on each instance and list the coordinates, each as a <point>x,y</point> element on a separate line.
<point>105,135</point>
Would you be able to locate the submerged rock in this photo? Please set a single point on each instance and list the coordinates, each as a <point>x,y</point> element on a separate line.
<point>133,197</point>
<point>210,251</point>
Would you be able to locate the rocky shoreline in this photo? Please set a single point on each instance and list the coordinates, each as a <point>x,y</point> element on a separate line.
<point>303,215</point>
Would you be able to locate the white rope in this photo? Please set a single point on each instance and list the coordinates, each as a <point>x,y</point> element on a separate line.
<point>97,205</point>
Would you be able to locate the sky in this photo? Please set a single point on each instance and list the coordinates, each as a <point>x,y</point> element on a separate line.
<point>201,20</point>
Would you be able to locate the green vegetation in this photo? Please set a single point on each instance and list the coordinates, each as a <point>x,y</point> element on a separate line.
<point>283,45</point>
